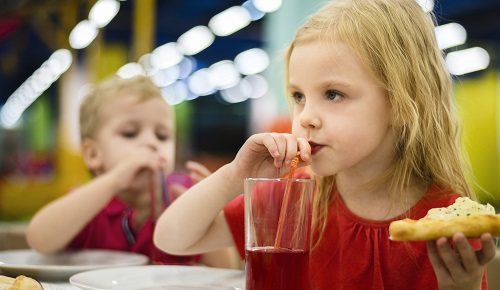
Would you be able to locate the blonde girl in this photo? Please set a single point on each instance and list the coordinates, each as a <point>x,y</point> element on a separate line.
<point>373,116</point>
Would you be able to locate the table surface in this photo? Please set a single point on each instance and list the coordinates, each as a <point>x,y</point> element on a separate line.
<point>58,286</point>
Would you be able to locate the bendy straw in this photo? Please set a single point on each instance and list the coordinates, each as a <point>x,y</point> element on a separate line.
<point>284,204</point>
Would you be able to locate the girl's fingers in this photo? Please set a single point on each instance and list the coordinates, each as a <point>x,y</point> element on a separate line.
<point>270,143</point>
<point>283,148</point>
<point>304,149</point>
<point>487,251</point>
<point>435,258</point>
<point>450,258</point>
<point>276,145</point>
<point>291,148</point>
<point>467,253</point>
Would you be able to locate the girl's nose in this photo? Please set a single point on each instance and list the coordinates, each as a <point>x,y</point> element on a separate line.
<point>309,117</point>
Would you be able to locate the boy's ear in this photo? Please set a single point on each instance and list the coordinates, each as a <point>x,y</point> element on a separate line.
<point>91,155</point>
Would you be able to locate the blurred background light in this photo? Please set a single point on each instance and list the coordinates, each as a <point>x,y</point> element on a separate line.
<point>176,93</point>
<point>223,74</point>
<point>468,60</point>
<point>255,14</point>
<point>166,56</point>
<point>258,84</point>
<point>195,40</point>
<point>252,61</point>
<point>103,12</point>
<point>82,34</point>
<point>237,93</point>
<point>34,86</point>
<point>229,21</point>
<point>130,70</point>
<point>427,5</point>
<point>199,83</point>
<point>186,67</point>
<point>166,77</point>
<point>267,6</point>
<point>450,35</point>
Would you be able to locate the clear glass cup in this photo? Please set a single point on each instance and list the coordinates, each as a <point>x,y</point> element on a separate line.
<point>277,233</point>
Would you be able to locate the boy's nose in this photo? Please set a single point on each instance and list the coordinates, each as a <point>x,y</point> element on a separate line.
<point>150,141</point>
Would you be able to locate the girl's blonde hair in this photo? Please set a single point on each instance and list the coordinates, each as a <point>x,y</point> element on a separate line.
<point>140,87</point>
<point>396,40</point>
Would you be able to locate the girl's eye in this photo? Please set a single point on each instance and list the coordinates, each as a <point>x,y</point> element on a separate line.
<point>333,95</point>
<point>298,98</point>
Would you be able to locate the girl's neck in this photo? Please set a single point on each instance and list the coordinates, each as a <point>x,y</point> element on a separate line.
<point>374,202</point>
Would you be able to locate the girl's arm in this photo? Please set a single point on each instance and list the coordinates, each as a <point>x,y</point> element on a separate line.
<point>460,268</point>
<point>195,223</point>
<point>225,258</point>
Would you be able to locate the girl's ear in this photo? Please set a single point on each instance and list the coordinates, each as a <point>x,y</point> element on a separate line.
<point>91,155</point>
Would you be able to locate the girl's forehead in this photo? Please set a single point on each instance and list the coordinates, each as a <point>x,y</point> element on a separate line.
<point>320,55</point>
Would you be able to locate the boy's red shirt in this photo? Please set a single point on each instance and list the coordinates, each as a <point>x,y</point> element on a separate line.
<point>355,253</point>
<point>105,231</point>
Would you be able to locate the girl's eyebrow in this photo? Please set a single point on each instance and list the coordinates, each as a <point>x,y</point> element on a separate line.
<point>327,84</point>
<point>338,83</point>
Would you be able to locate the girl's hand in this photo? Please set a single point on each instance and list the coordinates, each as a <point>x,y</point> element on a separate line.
<point>263,153</point>
<point>196,172</point>
<point>461,268</point>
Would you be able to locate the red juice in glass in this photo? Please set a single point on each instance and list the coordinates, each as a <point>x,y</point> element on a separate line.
<point>269,268</point>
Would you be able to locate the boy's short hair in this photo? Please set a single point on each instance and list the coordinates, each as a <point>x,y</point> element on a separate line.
<point>109,90</point>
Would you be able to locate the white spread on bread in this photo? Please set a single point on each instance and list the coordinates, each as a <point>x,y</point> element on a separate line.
<point>463,206</point>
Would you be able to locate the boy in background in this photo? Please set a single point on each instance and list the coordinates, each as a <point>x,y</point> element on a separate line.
<point>128,144</point>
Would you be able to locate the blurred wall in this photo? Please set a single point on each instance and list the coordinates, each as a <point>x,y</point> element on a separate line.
<point>477,100</point>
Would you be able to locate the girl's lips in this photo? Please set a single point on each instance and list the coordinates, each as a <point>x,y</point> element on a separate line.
<point>315,147</point>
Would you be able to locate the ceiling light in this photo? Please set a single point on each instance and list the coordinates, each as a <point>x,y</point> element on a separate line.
<point>103,12</point>
<point>130,70</point>
<point>223,74</point>
<point>195,40</point>
<point>200,84</point>
<point>229,21</point>
<point>252,61</point>
<point>267,5</point>
<point>450,35</point>
<point>427,5</point>
<point>468,60</point>
<point>166,56</point>
<point>82,34</point>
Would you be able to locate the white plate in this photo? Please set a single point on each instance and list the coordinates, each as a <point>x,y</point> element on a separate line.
<point>160,277</point>
<point>61,266</point>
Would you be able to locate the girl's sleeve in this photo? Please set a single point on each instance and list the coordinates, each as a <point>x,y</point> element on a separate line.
<point>235,217</point>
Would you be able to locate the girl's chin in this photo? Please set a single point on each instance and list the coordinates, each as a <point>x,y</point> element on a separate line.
<point>322,171</point>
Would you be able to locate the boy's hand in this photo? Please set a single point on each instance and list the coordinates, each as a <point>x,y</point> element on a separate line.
<point>462,267</point>
<point>262,154</point>
<point>140,164</point>
<point>196,172</point>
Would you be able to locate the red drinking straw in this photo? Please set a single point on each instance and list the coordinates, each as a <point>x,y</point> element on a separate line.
<point>284,204</point>
<point>152,198</point>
